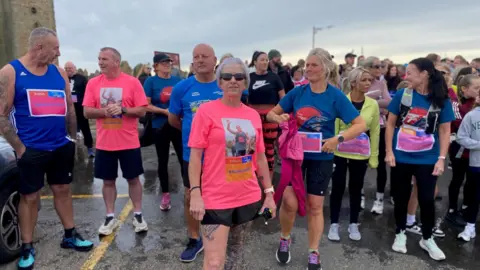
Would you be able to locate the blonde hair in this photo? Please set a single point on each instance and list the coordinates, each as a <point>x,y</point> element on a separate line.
<point>353,77</point>
<point>225,56</point>
<point>464,81</point>
<point>325,60</point>
<point>334,77</point>
<point>140,70</point>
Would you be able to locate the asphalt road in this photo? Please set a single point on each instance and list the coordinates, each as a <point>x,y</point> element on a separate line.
<point>165,240</point>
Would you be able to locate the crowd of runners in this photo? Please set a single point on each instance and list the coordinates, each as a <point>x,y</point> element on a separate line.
<point>228,121</point>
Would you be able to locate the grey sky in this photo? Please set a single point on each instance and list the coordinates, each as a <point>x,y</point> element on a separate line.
<point>399,30</point>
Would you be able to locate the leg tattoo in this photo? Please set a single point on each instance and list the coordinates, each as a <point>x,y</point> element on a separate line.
<point>235,246</point>
<point>209,230</point>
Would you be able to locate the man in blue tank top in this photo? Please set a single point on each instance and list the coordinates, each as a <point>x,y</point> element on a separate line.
<point>35,109</point>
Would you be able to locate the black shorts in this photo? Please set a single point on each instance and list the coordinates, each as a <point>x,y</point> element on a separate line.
<point>233,216</point>
<point>106,164</point>
<point>317,174</point>
<point>35,164</point>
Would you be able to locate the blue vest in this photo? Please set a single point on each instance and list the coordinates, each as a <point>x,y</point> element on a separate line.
<point>39,108</point>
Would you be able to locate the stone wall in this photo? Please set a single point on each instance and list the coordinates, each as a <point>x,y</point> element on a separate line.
<point>18,19</point>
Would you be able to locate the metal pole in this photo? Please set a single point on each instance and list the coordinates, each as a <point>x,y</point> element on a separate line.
<point>313,38</point>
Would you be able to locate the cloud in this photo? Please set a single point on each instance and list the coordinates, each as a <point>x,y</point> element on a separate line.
<point>397,30</point>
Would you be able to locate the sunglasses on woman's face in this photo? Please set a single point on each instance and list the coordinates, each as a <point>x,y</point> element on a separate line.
<point>378,66</point>
<point>229,76</point>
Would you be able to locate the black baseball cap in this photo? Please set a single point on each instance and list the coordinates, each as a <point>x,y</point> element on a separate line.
<point>161,57</point>
<point>350,55</point>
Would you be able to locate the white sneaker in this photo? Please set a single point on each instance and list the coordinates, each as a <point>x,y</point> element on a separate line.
<point>467,234</point>
<point>139,224</point>
<point>79,136</point>
<point>362,202</point>
<point>400,243</point>
<point>431,247</point>
<point>333,232</point>
<point>377,207</point>
<point>354,233</point>
<point>108,226</point>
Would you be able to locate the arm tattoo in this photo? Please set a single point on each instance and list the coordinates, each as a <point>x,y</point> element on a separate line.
<point>6,128</point>
<point>209,230</point>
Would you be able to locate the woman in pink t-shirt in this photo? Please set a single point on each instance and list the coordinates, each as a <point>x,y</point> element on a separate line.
<point>225,194</point>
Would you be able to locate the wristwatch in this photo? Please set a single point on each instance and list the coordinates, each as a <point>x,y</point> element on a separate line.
<point>269,190</point>
<point>124,110</point>
<point>340,138</point>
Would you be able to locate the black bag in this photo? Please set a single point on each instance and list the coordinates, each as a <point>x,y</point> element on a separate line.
<point>147,136</point>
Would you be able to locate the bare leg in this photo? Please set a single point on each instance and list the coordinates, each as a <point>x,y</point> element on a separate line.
<point>193,225</point>
<point>28,215</point>
<point>215,238</point>
<point>109,191</point>
<point>135,191</point>
<point>235,246</point>
<point>62,198</point>
<point>288,211</point>
<point>315,220</point>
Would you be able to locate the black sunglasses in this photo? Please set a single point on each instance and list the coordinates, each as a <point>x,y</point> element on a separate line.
<point>229,76</point>
<point>378,66</point>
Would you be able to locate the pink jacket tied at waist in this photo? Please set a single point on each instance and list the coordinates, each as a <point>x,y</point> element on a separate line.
<point>291,152</point>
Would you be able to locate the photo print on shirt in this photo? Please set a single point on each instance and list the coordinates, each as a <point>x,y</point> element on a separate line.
<point>240,141</point>
<point>109,96</point>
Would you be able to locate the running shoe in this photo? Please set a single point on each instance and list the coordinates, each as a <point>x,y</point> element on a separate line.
<point>362,202</point>
<point>433,250</point>
<point>91,153</point>
<point>377,208</point>
<point>314,261</point>
<point>76,242</point>
<point>283,252</point>
<point>139,223</point>
<point>194,247</point>
<point>400,243</point>
<point>165,205</point>
<point>27,258</point>
<point>333,232</point>
<point>107,228</point>
<point>354,233</point>
<point>414,228</point>
<point>467,234</point>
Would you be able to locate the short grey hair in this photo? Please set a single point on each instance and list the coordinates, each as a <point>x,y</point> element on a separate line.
<point>325,59</point>
<point>233,61</point>
<point>368,62</point>
<point>115,52</point>
<point>39,33</point>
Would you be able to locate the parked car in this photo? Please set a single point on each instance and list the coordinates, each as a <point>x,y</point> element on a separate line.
<point>10,241</point>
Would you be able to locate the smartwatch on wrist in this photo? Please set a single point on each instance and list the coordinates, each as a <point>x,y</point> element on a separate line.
<point>441,157</point>
<point>124,110</point>
<point>269,190</point>
<point>340,138</point>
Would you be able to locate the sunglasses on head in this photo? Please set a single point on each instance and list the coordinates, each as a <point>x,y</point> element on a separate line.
<point>229,76</point>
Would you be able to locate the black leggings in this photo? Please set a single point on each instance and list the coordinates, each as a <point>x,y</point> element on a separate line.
<point>382,167</point>
<point>163,137</point>
<point>357,170</point>
<point>460,168</point>
<point>83,125</point>
<point>402,184</point>
<point>472,210</point>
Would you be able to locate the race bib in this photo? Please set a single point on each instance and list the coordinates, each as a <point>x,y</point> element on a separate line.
<point>358,146</point>
<point>411,139</point>
<point>238,168</point>
<point>42,103</point>
<point>311,141</point>
<point>74,98</point>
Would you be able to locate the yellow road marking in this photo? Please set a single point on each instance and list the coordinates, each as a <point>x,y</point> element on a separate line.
<point>102,247</point>
<point>85,196</point>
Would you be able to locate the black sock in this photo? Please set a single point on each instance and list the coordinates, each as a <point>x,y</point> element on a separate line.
<point>27,246</point>
<point>69,232</point>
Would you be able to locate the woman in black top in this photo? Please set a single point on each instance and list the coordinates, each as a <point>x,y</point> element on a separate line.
<point>264,92</point>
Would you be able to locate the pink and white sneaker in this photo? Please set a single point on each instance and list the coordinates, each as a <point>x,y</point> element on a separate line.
<point>165,205</point>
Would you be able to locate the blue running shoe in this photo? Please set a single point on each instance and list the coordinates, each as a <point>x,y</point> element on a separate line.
<point>27,259</point>
<point>76,242</point>
<point>194,247</point>
<point>91,153</point>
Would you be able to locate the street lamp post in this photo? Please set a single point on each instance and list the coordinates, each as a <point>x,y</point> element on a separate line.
<point>317,29</point>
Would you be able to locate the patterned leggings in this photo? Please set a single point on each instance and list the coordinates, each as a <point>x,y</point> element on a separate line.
<point>270,133</point>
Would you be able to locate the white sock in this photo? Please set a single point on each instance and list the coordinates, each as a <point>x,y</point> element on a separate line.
<point>410,219</point>
<point>137,213</point>
<point>470,226</point>
<point>464,207</point>
<point>111,215</point>
<point>380,196</point>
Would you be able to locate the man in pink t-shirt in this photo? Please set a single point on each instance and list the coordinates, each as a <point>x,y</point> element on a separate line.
<point>116,100</point>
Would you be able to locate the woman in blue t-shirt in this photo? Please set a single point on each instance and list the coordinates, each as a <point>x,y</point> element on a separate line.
<point>417,138</point>
<point>315,106</point>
